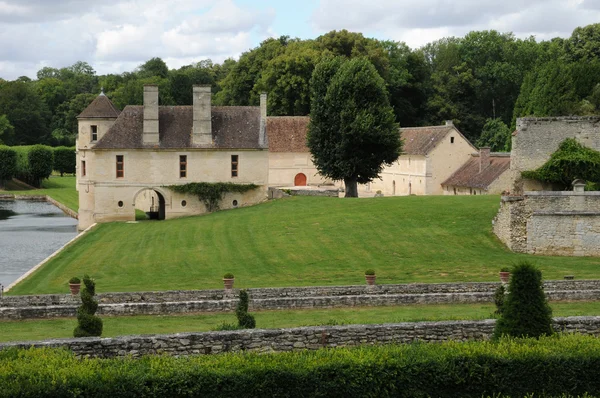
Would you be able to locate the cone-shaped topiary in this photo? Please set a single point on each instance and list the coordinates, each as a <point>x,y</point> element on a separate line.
<point>245,320</point>
<point>87,323</point>
<point>525,312</point>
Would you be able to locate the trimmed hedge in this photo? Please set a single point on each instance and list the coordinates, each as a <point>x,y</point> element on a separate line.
<point>34,163</point>
<point>550,366</point>
<point>8,164</point>
<point>64,160</point>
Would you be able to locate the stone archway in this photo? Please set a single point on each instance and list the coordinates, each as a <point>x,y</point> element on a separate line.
<point>300,180</point>
<point>152,202</point>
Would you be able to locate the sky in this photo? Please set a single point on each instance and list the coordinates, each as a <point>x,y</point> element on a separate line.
<point>115,36</point>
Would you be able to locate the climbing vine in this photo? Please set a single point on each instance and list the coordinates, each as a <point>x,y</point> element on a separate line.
<point>211,193</point>
<point>571,161</point>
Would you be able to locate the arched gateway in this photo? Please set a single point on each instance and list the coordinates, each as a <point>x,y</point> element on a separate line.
<point>152,202</point>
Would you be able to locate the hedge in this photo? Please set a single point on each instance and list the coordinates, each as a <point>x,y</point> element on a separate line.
<point>8,164</point>
<point>64,160</point>
<point>551,366</point>
<point>34,163</point>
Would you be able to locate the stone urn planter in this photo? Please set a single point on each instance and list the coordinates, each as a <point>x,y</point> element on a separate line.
<point>228,280</point>
<point>74,285</point>
<point>504,276</point>
<point>370,277</point>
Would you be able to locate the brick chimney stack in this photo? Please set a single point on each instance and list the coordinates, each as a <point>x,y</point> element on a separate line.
<point>202,127</point>
<point>484,158</point>
<point>150,130</point>
<point>263,120</point>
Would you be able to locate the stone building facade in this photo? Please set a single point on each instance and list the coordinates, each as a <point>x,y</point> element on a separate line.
<point>486,173</point>
<point>127,159</point>
<point>536,219</point>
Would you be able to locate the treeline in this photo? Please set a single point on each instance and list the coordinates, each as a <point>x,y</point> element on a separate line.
<point>482,81</point>
<point>32,164</point>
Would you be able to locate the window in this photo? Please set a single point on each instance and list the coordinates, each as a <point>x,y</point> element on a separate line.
<point>120,167</point>
<point>120,204</point>
<point>83,168</point>
<point>452,140</point>
<point>94,133</point>
<point>234,165</point>
<point>182,166</point>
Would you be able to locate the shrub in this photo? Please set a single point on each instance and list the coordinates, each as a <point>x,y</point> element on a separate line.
<point>505,269</point>
<point>87,323</point>
<point>8,164</point>
<point>526,312</point>
<point>40,160</point>
<point>228,275</point>
<point>499,298</point>
<point>74,280</point>
<point>245,320</point>
<point>64,160</point>
<point>211,193</point>
<point>370,272</point>
<point>225,326</point>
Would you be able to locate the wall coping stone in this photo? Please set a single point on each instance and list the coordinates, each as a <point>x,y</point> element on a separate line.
<point>561,193</point>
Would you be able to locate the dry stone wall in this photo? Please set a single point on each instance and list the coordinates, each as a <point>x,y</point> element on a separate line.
<point>281,340</point>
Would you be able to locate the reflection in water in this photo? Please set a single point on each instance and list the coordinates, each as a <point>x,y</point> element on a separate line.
<point>30,232</point>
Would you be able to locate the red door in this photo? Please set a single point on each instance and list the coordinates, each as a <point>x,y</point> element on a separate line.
<point>300,180</point>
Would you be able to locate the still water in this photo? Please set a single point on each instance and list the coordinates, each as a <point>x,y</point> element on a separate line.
<point>30,232</point>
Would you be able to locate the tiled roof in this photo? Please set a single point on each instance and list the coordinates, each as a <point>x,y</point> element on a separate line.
<point>235,127</point>
<point>287,133</point>
<point>422,140</point>
<point>468,175</point>
<point>101,107</point>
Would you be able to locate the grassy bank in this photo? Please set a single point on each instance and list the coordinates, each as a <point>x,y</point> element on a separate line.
<point>300,241</point>
<point>61,189</point>
<point>119,326</point>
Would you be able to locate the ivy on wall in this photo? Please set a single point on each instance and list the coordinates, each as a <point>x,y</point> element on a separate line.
<point>572,160</point>
<point>211,193</point>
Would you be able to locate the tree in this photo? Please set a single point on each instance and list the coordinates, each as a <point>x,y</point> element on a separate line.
<point>154,67</point>
<point>26,111</point>
<point>6,130</point>
<point>525,312</point>
<point>352,132</point>
<point>495,135</point>
<point>88,324</point>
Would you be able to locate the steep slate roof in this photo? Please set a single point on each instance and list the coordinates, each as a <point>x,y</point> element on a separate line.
<point>235,127</point>
<point>100,108</point>
<point>287,133</point>
<point>422,140</point>
<point>468,175</point>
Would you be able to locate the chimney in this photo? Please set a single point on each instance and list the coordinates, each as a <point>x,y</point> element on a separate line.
<point>150,132</point>
<point>263,120</point>
<point>484,158</point>
<point>202,128</point>
<point>449,123</point>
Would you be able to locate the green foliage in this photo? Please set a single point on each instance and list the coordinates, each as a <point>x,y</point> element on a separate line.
<point>26,112</point>
<point>499,299</point>
<point>226,326</point>
<point>211,193</point>
<point>525,312</point>
<point>64,160</point>
<point>571,160</point>
<point>352,132</point>
<point>41,163</point>
<point>74,280</point>
<point>370,272</point>
<point>8,164</point>
<point>6,130</point>
<point>88,324</point>
<point>549,367</point>
<point>495,135</point>
<point>228,275</point>
<point>245,320</point>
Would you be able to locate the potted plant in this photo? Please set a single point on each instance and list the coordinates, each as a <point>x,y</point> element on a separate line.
<point>228,279</point>
<point>74,285</point>
<point>370,277</point>
<point>504,274</point>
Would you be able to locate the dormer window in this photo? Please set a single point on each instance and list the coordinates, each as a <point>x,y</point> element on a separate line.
<point>94,131</point>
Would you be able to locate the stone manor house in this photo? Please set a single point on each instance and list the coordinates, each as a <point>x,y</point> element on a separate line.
<point>127,159</point>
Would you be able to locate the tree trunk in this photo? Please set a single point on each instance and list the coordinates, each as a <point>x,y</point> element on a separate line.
<point>351,188</point>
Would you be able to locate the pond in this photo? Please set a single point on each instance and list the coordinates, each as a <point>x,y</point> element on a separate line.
<point>30,231</point>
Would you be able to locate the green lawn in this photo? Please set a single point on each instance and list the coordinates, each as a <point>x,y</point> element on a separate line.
<point>118,326</point>
<point>61,189</point>
<point>300,241</point>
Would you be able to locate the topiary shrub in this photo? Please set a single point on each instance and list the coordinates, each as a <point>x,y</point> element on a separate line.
<point>41,163</point>
<point>525,312</point>
<point>245,320</point>
<point>87,323</point>
<point>8,164</point>
<point>499,299</point>
<point>64,160</point>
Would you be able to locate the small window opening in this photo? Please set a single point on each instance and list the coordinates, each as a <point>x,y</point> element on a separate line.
<point>183,203</point>
<point>120,203</point>
<point>94,133</point>
<point>83,171</point>
<point>120,166</point>
<point>183,166</point>
<point>235,203</point>
<point>452,140</point>
<point>234,165</point>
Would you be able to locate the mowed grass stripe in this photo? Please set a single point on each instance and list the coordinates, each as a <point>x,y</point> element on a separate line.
<point>118,326</point>
<point>301,241</point>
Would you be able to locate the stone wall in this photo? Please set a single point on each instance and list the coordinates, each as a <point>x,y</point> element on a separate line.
<point>203,301</point>
<point>280,340</point>
<point>561,223</point>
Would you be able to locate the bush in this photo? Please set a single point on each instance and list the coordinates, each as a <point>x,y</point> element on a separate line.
<point>370,272</point>
<point>41,163</point>
<point>525,312</point>
<point>245,320</point>
<point>87,323</point>
<point>74,280</point>
<point>228,275</point>
<point>499,299</point>
<point>8,164</point>
<point>512,367</point>
<point>64,160</point>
